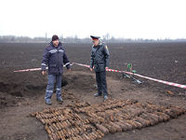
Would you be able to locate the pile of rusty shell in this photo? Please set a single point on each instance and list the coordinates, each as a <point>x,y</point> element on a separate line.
<point>147,117</point>
<point>95,135</point>
<point>111,129</point>
<point>100,119</point>
<point>124,125</point>
<point>164,117</point>
<point>174,112</point>
<point>144,122</point>
<point>135,111</point>
<point>82,104</point>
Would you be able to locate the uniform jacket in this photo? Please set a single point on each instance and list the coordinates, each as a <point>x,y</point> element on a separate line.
<point>54,58</point>
<point>99,57</point>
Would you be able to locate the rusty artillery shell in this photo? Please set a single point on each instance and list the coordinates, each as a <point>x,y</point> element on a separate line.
<point>110,128</point>
<point>58,135</point>
<point>122,125</point>
<point>117,127</point>
<point>55,127</point>
<point>102,128</point>
<point>68,123</point>
<point>112,117</point>
<point>154,117</point>
<point>100,134</point>
<point>140,125</point>
<point>51,137</point>
<point>146,117</point>
<point>93,136</point>
<point>51,129</point>
<point>142,121</point>
<point>85,137</point>
<point>47,129</point>
<point>61,133</point>
<point>129,126</point>
<point>163,115</point>
<point>132,123</point>
<point>65,132</point>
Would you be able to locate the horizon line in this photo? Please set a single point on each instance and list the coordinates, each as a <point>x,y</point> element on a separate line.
<point>76,36</point>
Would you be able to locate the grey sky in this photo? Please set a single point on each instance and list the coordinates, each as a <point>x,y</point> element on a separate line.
<point>151,19</point>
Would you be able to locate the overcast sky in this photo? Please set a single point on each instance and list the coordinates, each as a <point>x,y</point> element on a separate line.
<point>148,19</point>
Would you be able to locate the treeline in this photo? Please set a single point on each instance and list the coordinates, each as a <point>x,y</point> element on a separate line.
<point>24,39</point>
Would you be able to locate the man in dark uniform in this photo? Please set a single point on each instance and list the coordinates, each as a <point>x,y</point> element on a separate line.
<point>100,62</point>
<point>54,57</point>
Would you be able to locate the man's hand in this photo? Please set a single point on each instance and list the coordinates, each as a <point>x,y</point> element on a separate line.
<point>91,69</point>
<point>43,72</point>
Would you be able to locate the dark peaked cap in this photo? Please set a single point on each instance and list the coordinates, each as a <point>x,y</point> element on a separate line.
<point>94,37</point>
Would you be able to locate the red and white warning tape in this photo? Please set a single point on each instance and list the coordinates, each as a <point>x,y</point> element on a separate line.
<point>112,70</point>
<point>26,70</point>
<point>34,69</point>
<point>149,78</point>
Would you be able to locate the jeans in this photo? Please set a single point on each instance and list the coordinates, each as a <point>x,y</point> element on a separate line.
<point>52,79</point>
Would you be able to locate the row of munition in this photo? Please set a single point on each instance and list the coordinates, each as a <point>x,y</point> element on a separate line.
<point>89,122</point>
<point>86,131</point>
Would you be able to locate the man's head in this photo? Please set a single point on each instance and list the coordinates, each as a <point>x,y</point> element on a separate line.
<point>95,40</point>
<point>55,40</point>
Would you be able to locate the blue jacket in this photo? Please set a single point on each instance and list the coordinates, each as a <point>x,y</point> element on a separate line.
<point>54,58</point>
<point>99,57</point>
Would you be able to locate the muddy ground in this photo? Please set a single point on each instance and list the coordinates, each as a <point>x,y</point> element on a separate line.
<point>23,93</point>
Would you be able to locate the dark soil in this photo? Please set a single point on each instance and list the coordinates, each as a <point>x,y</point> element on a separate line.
<point>23,93</point>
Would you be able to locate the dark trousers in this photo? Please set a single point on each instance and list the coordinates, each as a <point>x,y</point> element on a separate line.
<point>101,82</point>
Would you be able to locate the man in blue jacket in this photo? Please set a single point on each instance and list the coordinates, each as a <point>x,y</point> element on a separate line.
<point>100,62</point>
<point>54,57</point>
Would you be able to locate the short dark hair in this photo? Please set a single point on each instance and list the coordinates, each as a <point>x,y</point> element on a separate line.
<point>55,37</point>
